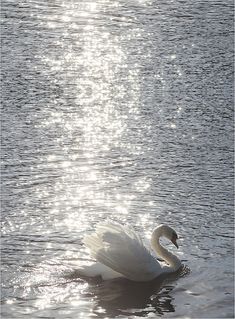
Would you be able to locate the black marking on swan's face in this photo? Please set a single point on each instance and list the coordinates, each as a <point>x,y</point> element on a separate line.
<point>174,239</point>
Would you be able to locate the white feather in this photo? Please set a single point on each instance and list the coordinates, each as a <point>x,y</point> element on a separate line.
<point>121,249</point>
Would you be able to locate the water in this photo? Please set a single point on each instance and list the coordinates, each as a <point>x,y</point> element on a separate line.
<point>119,109</point>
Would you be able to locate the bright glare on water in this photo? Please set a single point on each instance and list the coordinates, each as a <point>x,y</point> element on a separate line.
<point>123,110</point>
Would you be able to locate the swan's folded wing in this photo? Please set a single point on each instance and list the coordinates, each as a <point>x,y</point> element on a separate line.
<point>121,249</point>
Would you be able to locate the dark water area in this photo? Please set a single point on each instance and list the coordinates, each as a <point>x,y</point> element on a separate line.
<point>121,110</point>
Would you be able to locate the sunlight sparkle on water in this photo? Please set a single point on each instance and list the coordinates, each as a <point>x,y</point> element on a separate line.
<point>112,111</point>
<point>106,106</point>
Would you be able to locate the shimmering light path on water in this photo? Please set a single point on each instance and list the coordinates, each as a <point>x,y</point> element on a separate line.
<point>121,110</point>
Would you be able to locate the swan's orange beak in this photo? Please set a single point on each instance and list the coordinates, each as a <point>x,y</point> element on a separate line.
<point>175,242</point>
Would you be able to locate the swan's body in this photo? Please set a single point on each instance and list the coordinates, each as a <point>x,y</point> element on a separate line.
<point>120,252</point>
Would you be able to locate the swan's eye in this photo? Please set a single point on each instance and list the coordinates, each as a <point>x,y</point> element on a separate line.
<point>175,235</point>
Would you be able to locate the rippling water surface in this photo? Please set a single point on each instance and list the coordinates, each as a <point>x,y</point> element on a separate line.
<point>116,109</point>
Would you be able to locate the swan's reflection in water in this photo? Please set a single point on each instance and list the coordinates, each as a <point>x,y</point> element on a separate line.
<point>127,297</point>
<point>124,297</point>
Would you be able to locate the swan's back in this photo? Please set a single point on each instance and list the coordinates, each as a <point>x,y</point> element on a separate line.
<point>120,248</point>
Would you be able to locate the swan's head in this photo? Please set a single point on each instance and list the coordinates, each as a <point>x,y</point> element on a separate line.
<point>166,231</point>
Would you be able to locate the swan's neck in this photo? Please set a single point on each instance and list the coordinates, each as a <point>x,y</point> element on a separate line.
<point>172,260</point>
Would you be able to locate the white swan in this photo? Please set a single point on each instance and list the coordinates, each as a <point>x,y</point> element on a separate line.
<point>120,252</point>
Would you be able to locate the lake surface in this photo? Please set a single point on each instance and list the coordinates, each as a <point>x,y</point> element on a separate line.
<point>123,110</point>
